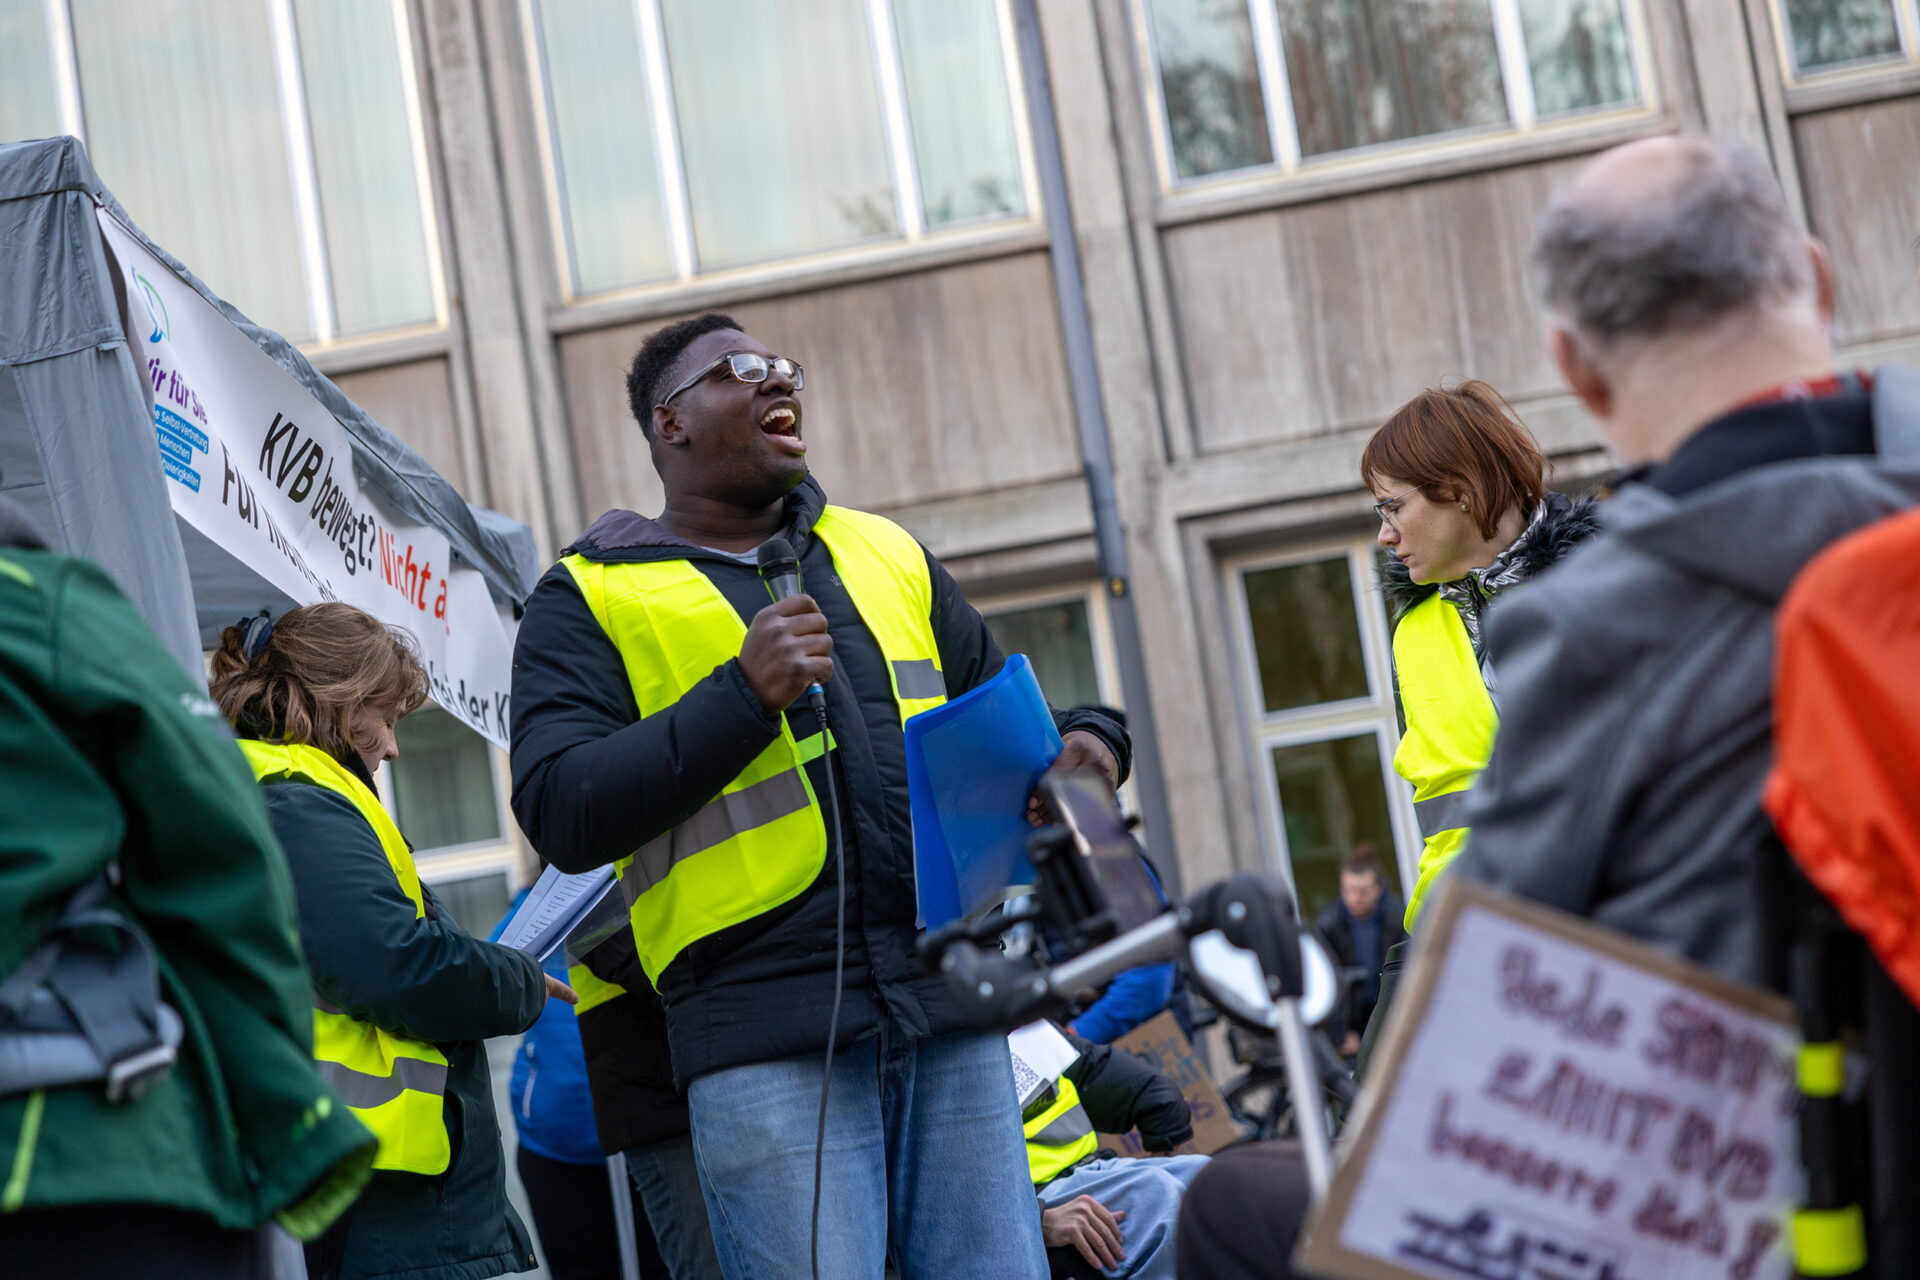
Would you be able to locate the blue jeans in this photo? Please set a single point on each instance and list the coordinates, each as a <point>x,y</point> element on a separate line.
<point>924,1163</point>
<point>669,1187</point>
<point>1148,1191</point>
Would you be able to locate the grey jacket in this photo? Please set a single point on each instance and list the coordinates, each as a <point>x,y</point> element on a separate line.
<point>1637,715</point>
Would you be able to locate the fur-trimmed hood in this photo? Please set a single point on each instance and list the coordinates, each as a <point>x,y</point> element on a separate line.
<point>1565,522</point>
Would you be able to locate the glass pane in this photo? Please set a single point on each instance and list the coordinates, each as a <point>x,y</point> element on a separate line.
<point>443,782</point>
<point>1578,54</point>
<point>184,125</point>
<point>603,126</point>
<point>1306,635</point>
<point>364,162</point>
<point>780,127</point>
<point>1829,32</point>
<point>1057,641</point>
<point>1216,112</point>
<point>476,902</point>
<point>1372,71</point>
<point>29,106</point>
<point>1332,800</point>
<point>962,117</point>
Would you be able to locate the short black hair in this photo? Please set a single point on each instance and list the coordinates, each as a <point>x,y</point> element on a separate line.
<point>656,355</point>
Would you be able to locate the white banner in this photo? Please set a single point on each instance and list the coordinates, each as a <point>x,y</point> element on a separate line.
<point>261,468</point>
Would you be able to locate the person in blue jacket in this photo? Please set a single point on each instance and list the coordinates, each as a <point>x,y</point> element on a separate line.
<point>559,1158</point>
<point>1133,996</point>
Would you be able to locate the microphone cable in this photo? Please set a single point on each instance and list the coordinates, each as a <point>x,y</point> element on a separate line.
<point>818,700</point>
<point>780,570</point>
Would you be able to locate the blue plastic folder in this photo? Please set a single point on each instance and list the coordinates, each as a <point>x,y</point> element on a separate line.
<point>971,764</point>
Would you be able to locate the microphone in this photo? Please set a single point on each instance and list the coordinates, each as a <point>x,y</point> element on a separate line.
<point>780,570</point>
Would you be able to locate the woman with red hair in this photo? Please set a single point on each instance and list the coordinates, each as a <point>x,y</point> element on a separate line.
<point>1465,514</point>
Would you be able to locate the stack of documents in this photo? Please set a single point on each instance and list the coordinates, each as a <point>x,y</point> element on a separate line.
<point>554,908</point>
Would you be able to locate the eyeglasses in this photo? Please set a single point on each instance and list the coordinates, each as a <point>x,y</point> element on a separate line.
<point>747,367</point>
<point>1388,508</point>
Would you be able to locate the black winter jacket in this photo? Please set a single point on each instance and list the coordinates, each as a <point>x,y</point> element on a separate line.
<point>592,782</point>
<point>426,980</point>
<point>629,1070</point>
<point>1120,1092</point>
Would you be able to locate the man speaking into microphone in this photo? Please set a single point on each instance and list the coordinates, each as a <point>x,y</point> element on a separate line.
<point>660,724</point>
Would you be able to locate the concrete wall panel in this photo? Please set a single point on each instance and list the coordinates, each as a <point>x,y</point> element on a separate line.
<point>1300,321</point>
<point>1862,189</point>
<point>919,388</point>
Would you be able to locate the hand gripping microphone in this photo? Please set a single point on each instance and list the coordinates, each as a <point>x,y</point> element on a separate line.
<point>780,570</point>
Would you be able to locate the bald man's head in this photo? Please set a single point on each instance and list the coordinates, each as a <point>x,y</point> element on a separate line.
<point>1666,236</point>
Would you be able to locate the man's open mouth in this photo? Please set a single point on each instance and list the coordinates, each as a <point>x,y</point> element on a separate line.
<point>781,420</point>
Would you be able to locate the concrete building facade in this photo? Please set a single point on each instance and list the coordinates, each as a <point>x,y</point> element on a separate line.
<point>1290,215</point>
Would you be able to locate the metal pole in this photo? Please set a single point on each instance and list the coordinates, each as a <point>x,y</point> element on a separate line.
<point>1096,453</point>
<point>625,1230</point>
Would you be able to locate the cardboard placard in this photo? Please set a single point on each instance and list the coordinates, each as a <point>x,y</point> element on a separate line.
<point>1554,1101</point>
<point>1160,1041</point>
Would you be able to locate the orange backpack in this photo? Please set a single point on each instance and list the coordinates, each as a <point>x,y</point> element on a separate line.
<point>1844,793</point>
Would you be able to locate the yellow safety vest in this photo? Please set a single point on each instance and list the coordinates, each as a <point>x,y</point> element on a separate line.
<point>761,840</point>
<point>592,989</point>
<point>1451,723</point>
<point>397,1087</point>
<point>1059,1132</point>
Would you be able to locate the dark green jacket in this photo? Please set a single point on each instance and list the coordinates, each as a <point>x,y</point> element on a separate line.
<point>426,980</point>
<point>107,748</point>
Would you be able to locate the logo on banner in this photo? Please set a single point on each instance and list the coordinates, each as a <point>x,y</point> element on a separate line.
<point>156,309</point>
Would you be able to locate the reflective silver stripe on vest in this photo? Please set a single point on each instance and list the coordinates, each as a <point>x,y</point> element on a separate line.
<point>1442,813</point>
<point>918,678</point>
<point>1065,1129</point>
<point>366,1092</point>
<point>325,1005</point>
<point>716,822</point>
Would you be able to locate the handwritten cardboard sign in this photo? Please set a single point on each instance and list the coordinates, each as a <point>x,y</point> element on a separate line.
<point>1161,1042</point>
<point>1553,1101</point>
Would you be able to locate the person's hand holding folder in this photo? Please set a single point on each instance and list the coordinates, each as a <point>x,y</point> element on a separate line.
<point>1079,750</point>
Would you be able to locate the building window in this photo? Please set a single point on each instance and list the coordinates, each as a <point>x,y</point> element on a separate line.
<point>1837,35</point>
<point>274,146</point>
<point>687,137</point>
<point>446,793</point>
<point>1279,84</point>
<point>443,785</point>
<point>1065,640</point>
<point>1318,671</point>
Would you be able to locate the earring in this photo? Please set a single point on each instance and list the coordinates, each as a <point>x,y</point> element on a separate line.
<point>1463,506</point>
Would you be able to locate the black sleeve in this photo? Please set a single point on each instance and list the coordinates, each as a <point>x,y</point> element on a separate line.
<point>1121,1092</point>
<point>370,954</point>
<point>616,961</point>
<point>592,781</point>
<point>969,655</point>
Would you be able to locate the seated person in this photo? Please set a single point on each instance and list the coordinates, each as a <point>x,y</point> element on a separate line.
<point>1360,927</point>
<point>1117,1213</point>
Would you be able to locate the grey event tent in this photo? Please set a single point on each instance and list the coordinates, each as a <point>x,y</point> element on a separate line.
<point>77,444</point>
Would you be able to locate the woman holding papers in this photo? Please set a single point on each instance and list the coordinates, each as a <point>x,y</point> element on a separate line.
<point>403,998</point>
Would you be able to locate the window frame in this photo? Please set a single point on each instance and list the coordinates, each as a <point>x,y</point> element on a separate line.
<point>1263,731</point>
<point>1106,662</point>
<point>905,252</point>
<point>302,167</point>
<point>1857,74</point>
<point>1386,163</point>
<point>476,857</point>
